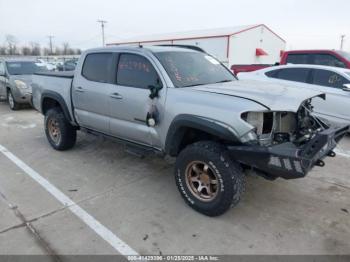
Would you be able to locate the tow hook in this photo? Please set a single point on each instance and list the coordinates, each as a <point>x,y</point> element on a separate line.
<point>331,154</point>
<point>320,163</point>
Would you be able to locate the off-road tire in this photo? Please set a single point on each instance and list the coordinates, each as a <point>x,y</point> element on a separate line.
<point>230,174</point>
<point>68,134</point>
<point>12,102</point>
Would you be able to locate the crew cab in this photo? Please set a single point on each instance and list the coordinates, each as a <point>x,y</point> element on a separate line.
<point>334,58</point>
<point>184,103</point>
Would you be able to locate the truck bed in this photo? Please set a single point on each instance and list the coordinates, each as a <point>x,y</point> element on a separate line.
<point>52,84</point>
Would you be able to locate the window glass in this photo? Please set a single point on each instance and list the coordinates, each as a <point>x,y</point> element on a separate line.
<point>294,74</point>
<point>98,67</point>
<point>2,68</point>
<point>272,73</point>
<point>193,68</point>
<point>297,59</point>
<point>136,71</point>
<point>327,60</point>
<point>23,68</point>
<point>328,78</point>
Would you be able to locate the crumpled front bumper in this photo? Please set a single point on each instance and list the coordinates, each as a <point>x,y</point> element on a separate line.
<point>286,160</point>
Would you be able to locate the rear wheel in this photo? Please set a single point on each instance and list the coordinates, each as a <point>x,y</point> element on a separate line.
<point>208,180</point>
<point>12,102</point>
<point>59,132</point>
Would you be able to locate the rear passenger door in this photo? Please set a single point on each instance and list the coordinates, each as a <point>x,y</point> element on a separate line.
<point>130,100</point>
<point>337,104</point>
<point>91,91</point>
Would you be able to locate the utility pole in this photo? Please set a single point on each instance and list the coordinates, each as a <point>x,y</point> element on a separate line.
<point>50,38</point>
<point>342,38</point>
<point>102,22</point>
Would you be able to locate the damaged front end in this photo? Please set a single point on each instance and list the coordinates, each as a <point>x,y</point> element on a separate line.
<point>286,144</point>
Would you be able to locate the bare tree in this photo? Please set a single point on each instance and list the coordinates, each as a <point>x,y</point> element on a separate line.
<point>26,50</point>
<point>46,51</point>
<point>65,48</point>
<point>11,42</point>
<point>2,50</point>
<point>58,51</point>
<point>36,50</point>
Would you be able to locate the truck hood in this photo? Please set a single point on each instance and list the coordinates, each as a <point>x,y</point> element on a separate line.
<point>275,97</point>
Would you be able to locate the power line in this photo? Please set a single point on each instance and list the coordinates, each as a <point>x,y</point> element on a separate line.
<point>342,38</point>
<point>102,22</point>
<point>51,48</point>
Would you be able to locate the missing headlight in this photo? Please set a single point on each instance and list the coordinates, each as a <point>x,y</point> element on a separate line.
<point>272,127</point>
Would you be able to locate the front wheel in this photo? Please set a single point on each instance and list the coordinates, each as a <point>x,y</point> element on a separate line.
<point>59,132</point>
<point>12,102</point>
<point>208,180</point>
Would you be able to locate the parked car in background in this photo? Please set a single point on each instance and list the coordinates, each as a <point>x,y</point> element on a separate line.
<point>48,65</point>
<point>313,57</point>
<point>184,103</point>
<point>334,81</point>
<point>68,65</point>
<point>15,80</point>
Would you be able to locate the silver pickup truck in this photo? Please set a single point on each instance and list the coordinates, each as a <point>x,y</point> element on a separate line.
<point>184,103</point>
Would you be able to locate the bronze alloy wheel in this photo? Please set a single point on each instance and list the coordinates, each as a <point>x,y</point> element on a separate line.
<point>54,130</point>
<point>202,181</point>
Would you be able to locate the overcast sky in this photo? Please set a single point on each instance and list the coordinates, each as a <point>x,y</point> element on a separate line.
<point>303,23</point>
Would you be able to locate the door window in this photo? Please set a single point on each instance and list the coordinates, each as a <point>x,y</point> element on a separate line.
<point>2,68</point>
<point>136,71</point>
<point>272,73</point>
<point>328,78</point>
<point>294,74</point>
<point>327,60</point>
<point>98,67</point>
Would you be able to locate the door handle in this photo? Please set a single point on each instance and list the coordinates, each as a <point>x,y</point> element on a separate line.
<point>79,89</point>
<point>116,96</point>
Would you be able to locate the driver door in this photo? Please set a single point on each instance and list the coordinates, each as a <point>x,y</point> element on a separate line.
<point>129,100</point>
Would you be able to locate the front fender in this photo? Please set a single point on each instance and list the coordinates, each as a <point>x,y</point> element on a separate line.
<point>181,122</point>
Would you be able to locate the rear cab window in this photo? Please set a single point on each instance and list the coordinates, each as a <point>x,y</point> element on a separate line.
<point>297,59</point>
<point>98,67</point>
<point>327,60</point>
<point>136,71</point>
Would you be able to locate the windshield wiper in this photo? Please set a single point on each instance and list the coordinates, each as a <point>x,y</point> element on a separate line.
<point>196,85</point>
<point>224,81</point>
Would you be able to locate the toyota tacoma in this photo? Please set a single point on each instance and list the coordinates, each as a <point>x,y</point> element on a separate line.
<point>182,102</point>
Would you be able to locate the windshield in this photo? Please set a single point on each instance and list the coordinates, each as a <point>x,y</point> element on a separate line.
<point>193,68</point>
<point>23,68</point>
<point>346,55</point>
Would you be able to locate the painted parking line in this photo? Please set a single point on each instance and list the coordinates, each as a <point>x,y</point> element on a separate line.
<point>342,153</point>
<point>118,244</point>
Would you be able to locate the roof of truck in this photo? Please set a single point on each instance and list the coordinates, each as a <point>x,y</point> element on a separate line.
<point>151,48</point>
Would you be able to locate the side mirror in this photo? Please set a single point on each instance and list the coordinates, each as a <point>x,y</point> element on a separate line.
<point>346,87</point>
<point>155,89</point>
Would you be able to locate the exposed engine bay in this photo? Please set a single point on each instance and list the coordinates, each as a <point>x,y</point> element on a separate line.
<point>279,127</point>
